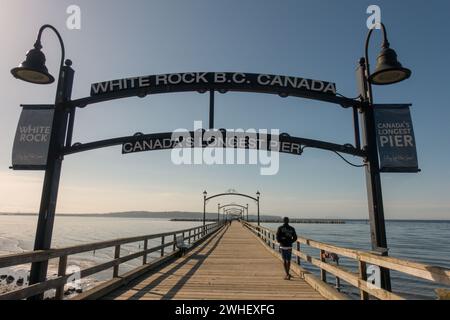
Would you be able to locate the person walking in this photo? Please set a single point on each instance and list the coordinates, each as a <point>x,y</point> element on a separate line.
<point>286,236</point>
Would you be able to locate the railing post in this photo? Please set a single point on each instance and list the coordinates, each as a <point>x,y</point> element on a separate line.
<point>162,245</point>
<point>363,276</point>
<point>62,266</point>
<point>273,241</point>
<point>323,273</point>
<point>174,241</point>
<point>189,241</point>
<point>338,280</point>
<point>116,256</point>
<point>298,256</point>
<point>144,259</point>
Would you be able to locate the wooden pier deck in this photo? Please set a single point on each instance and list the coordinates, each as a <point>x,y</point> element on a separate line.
<point>231,264</point>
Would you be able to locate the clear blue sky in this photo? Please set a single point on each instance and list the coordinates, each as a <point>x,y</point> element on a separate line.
<point>314,39</point>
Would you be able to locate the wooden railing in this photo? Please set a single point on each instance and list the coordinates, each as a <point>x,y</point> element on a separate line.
<point>191,236</point>
<point>362,258</point>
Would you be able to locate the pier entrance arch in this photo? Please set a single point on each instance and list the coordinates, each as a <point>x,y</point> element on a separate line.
<point>58,122</point>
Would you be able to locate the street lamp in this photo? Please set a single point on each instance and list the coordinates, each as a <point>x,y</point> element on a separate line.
<point>33,70</point>
<point>204,210</point>
<point>218,212</point>
<point>388,71</point>
<point>258,194</point>
<point>247,211</point>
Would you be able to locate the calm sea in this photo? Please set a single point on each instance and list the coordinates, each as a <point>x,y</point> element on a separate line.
<point>422,241</point>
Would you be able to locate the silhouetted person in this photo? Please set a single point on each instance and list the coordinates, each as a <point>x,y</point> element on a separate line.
<point>286,236</point>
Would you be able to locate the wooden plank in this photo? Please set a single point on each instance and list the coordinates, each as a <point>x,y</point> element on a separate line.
<point>363,276</point>
<point>323,273</point>
<point>144,258</point>
<point>115,283</point>
<point>325,290</point>
<point>62,266</point>
<point>230,265</point>
<point>432,273</point>
<point>352,279</point>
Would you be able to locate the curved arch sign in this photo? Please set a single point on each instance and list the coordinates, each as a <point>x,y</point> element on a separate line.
<point>216,80</point>
<point>219,81</point>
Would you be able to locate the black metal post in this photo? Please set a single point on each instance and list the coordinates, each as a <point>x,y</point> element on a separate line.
<point>204,213</point>
<point>70,127</point>
<point>356,128</point>
<point>52,174</point>
<point>218,213</point>
<point>373,179</point>
<point>257,202</point>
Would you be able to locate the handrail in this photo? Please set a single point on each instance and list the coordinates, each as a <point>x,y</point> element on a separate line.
<point>431,273</point>
<point>192,235</point>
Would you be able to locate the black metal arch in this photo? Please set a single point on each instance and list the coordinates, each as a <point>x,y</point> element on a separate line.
<point>231,194</point>
<point>166,136</point>
<point>232,205</point>
<point>235,212</point>
<point>146,85</point>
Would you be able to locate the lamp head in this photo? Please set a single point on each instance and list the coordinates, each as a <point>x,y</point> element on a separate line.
<point>205,193</point>
<point>258,193</point>
<point>33,69</point>
<point>388,70</point>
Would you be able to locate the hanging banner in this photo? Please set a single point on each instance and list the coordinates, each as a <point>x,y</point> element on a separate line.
<point>32,138</point>
<point>395,138</point>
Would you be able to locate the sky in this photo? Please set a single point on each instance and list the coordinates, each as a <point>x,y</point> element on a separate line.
<point>312,39</point>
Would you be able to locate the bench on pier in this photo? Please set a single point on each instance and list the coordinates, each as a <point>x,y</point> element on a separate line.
<point>181,245</point>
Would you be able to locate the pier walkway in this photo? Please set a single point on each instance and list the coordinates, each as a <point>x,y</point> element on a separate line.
<point>231,264</point>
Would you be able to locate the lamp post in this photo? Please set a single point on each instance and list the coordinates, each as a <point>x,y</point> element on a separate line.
<point>33,70</point>
<point>247,211</point>
<point>218,212</point>
<point>204,210</point>
<point>388,71</point>
<point>258,194</point>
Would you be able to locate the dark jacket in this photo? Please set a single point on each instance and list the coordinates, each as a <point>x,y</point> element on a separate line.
<point>286,235</point>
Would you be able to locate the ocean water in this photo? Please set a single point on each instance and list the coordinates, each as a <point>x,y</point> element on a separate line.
<point>419,241</point>
<point>427,242</point>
